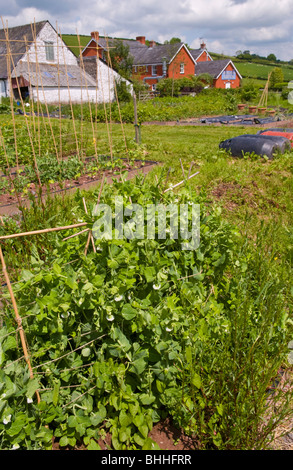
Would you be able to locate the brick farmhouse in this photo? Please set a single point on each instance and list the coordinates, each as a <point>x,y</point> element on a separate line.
<point>152,61</point>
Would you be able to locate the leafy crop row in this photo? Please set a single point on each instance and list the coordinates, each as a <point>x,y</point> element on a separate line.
<point>141,330</point>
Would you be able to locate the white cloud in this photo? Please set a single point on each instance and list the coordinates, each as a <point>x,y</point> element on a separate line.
<point>226,25</point>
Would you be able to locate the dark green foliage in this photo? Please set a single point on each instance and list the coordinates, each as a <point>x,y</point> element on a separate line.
<point>142,330</point>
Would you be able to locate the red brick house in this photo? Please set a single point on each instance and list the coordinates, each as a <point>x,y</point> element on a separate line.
<point>152,61</point>
<point>224,73</point>
<point>155,62</point>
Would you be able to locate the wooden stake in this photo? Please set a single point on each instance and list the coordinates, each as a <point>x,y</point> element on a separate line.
<point>178,184</point>
<point>117,100</point>
<point>136,120</point>
<point>89,101</point>
<point>70,102</point>
<point>191,165</point>
<point>76,234</point>
<point>90,234</point>
<point>18,319</point>
<point>183,172</point>
<point>38,74</point>
<point>45,230</point>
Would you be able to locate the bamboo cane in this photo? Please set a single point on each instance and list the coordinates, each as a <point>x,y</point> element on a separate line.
<point>59,96</point>
<point>105,108</point>
<point>183,172</point>
<point>76,234</point>
<point>117,100</point>
<point>46,104</point>
<point>8,57</point>
<point>45,230</point>
<point>18,319</point>
<point>89,101</point>
<point>90,234</point>
<point>181,182</point>
<point>26,121</point>
<point>69,95</point>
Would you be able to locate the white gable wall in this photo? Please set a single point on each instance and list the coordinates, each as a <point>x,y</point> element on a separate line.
<point>103,92</point>
<point>106,83</point>
<point>62,54</point>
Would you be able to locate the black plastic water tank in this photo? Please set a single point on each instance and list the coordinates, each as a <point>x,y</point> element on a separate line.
<point>262,145</point>
<point>284,144</point>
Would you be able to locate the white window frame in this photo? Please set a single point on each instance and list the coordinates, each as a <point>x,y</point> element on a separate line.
<point>49,50</point>
<point>182,67</point>
<point>154,86</point>
<point>154,71</point>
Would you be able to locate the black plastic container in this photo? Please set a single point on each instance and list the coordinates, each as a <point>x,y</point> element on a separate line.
<point>263,145</point>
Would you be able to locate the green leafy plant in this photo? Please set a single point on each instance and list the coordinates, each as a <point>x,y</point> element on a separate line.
<point>141,330</point>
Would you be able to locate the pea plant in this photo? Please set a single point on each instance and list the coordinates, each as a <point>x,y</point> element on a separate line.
<point>133,332</point>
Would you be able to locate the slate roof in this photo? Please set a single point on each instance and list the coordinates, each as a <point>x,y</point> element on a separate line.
<point>17,44</point>
<point>214,68</point>
<point>104,42</point>
<point>196,52</point>
<point>50,75</point>
<point>154,55</point>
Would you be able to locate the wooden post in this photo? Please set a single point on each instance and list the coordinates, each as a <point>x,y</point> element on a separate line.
<point>18,319</point>
<point>137,140</point>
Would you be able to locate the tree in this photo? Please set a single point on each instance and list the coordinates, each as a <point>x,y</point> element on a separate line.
<point>272,57</point>
<point>173,40</point>
<point>121,60</point>
<point>277,76</point>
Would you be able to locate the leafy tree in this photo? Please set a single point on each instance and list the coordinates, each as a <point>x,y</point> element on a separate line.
<point>277,76</point>
<point>123,91</point>
<point>173,40</point>
<point>272,57</point>
<point>121,60</point>
<point>249,91</point>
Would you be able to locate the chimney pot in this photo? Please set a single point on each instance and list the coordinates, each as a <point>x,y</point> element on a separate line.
<point>141,39</point>
<point>95,35</point>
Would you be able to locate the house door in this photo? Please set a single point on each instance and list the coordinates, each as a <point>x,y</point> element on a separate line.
<point>227,85</point>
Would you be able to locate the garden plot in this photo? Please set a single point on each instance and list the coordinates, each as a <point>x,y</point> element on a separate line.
<point>120,334</point>
<point>47,157</point>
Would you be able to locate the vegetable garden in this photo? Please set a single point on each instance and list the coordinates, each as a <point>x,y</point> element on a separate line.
<point>102,339</point>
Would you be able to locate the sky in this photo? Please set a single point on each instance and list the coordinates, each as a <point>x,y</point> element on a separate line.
<point>226,26</point>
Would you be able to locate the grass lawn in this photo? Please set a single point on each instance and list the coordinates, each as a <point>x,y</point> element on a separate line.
<point>250,190</point>
<point>262,71</point>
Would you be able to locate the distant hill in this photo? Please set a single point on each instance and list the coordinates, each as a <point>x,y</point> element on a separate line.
<point>71,40</point>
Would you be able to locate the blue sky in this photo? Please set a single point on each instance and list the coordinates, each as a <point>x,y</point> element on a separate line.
<point>227,26</point>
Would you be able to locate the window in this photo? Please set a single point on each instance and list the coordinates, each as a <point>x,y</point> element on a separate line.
<point>154,87</point>
<point>47,74</point>
<point>49,49</point>
<point>182,67</point>
<point>229,75</point>
<point>154,70</point>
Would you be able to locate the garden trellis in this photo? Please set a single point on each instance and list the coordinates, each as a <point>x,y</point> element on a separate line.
<point>63,130</point>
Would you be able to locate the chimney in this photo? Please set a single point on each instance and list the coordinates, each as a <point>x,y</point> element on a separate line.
<point>203,45</point>
<point>95,36</point>
<point>152,43</point>
<point>141,39</point>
